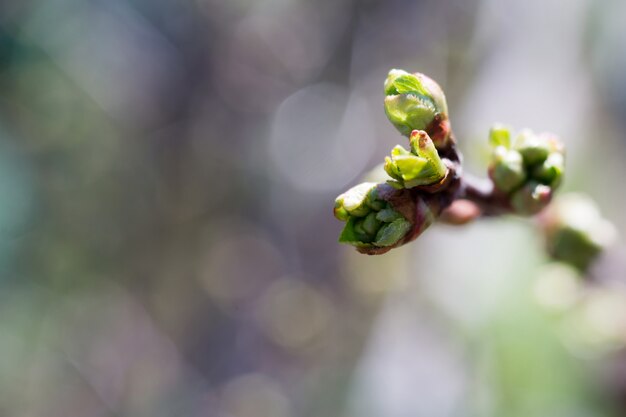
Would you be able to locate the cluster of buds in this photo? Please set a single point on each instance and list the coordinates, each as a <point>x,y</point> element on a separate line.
<point>425,181</point>
<point>382,216</point>
<point>527,169</point>
<point>379,217</point>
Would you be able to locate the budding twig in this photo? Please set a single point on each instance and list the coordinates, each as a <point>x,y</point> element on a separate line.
<point>427,182</point>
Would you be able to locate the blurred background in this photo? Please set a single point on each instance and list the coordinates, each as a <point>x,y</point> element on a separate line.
<point>167,175</point>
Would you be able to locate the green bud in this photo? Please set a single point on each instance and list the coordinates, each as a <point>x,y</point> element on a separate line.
<point>365,214</point>
<point>340,212</point>
<point>349,235</point>
<point>388,215</point>
<point>392,76</point>
<point>408,112</point>
<point>373,201</point>
<point>371,224</point>
<point>360,232</point>
<point>534,148</point>
<point>413,101</point>
<point>531,198</point>
<point>392,232</point>
<point>401,82</point>
<point>575,231</point>
<point>422,145</point>
<point>550,172</point>
<point>354,200</point>
<point>574,247</point>
<point>507,169</point>
<point>392,169</point>
<point>422,166</point>
<point>500,135</point>
<point>410,166</point>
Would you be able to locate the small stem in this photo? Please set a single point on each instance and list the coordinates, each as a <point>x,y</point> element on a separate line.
<point>482,192</point>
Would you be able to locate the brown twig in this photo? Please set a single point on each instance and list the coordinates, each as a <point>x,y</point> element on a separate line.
<point>465,197</point>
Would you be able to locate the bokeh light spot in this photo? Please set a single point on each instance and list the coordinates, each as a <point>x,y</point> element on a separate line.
<point>321,138</point>
<point>293,314</point>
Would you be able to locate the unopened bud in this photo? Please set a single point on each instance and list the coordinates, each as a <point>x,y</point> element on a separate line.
<point>575,231</point>
<point>531,198</point>
<point>392,217</point>
<point>371,224</point>
<point>340,212</point>
<point>550,172</point>
<point>366,214</point>
<point>421,166</point>
<point>416,102</point>
<point>388,215</point>
<point>373,200</point>
<point>392,232</point>
<point>529,170</point>
<point>533,148</point>
<point>359,231</point>
<point>354,201</point>
<point>507,169</point>
<point>500,135</point>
